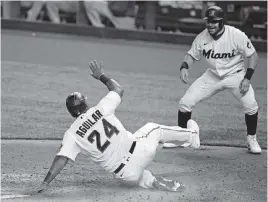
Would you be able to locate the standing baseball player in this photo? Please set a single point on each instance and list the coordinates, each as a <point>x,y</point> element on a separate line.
<point>225,48</point>
<point>97,133</point>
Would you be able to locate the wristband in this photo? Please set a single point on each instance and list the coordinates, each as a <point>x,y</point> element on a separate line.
<point>249,73</point>
<point>104,79</point>
<point>184,65</point>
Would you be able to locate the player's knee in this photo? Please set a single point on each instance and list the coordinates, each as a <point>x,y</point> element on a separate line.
<point>186,105</point>
<point>151,125</point>
<point>251,109</point>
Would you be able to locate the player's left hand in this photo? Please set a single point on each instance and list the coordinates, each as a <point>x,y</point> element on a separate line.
<point>244,86</point>
<point>96,69</point>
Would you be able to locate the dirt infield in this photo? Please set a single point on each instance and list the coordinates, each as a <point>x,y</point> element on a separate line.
<point>209,173</point>
<point>38,72</point>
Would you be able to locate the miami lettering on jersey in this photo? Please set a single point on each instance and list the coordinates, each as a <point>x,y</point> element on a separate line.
<point>210,53</point>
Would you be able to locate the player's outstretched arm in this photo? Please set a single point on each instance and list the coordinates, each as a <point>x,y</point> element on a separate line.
<point>98,73</point>
<point>56,167</point>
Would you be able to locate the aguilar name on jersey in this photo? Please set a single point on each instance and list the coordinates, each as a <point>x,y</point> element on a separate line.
<point>225,55</point>
<point>94,132</point>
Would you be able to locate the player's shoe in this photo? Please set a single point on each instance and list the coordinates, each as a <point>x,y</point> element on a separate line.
<point>195,141</point>
<point>163,184</point>
<point>253,145</point>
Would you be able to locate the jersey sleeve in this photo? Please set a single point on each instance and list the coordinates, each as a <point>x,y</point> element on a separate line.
<point>109,103</point>
<point>244,44</point>
<point>69,148</point>
<point>195,50</point>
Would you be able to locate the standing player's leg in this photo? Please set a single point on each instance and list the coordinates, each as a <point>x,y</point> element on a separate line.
<point>204,87</point>
<point>250,106</point>
<point>251,118</point>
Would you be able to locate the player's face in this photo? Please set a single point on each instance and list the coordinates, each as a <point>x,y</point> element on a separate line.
<point>213,27</point>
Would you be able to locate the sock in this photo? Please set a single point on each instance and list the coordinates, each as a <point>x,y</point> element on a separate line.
<point>183,118</point>
<point>251,122</point>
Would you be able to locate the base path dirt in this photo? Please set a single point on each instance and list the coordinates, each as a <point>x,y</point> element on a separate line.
<point>209,173</point>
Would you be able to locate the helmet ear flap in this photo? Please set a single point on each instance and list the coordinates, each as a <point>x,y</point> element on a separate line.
<point>221,24</point>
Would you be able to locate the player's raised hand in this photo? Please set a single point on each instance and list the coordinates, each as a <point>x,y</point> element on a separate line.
<point>184,75</point>
<point>96,69</point>
<point>244,86</point>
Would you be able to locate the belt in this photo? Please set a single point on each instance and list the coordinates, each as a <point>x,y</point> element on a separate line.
<point>122,164</point>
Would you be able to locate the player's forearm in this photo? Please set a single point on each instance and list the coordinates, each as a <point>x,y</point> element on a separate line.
<point>250,65</point>
<point>111,84</point>
<point>189,59</point>
<point>56,167</point>
<point>187,62</point>
<point>252,61</point>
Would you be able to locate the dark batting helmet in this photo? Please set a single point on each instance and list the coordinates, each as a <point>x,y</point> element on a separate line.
<point>76,104</point>
<point>214,13</point>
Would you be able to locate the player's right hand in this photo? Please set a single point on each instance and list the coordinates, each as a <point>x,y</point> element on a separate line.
<point>96,69</point>
<point>184,75</point>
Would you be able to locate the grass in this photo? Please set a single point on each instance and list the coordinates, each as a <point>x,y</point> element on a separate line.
<point>36,81</point>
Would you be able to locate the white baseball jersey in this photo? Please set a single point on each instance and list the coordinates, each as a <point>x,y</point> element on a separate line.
<point>101,136</point>
<point>225,55</point>
<point>98,134</point>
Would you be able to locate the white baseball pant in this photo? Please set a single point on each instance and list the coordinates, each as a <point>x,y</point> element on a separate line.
<point>148,137</point>
<point>209,84</point>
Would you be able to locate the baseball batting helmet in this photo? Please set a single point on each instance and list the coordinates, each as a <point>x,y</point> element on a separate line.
<point>214,13</point>
<point>76,104</point>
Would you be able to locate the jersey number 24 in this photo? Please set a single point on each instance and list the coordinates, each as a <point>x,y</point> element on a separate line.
<point>109,130</point>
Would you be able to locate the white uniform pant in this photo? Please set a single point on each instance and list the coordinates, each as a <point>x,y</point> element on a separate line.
<point>148,138</point>
<point>209,84</point>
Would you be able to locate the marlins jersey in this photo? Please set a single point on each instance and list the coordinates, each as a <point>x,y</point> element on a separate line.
<point>225,55</point>
<point>98,134</point>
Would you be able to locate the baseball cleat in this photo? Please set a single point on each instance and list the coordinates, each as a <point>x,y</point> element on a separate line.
<point>253,145</point>
<point>168,185</point>
<point>195,142</point>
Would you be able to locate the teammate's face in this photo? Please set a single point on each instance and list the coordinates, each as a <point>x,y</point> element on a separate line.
<point>213,27</point>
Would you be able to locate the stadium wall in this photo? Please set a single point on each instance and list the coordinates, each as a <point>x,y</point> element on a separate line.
<point>109,33</point>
